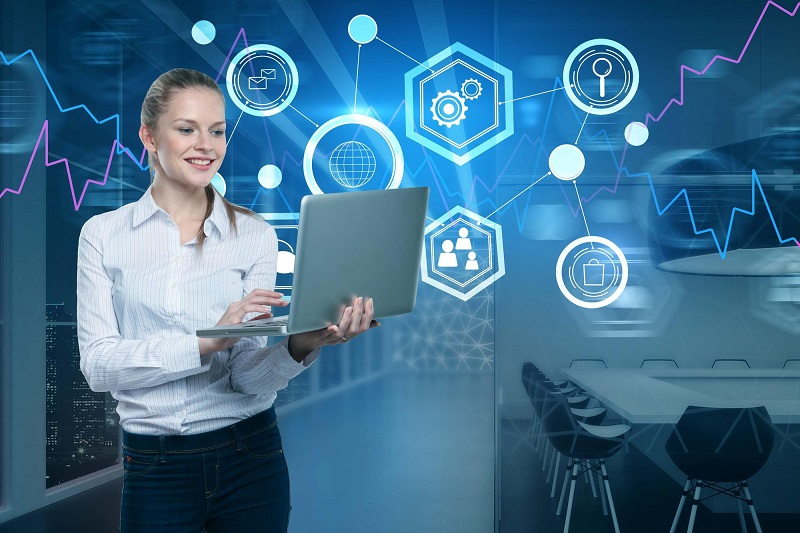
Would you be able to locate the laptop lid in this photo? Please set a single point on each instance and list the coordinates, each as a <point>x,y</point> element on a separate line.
<point>366,243</point>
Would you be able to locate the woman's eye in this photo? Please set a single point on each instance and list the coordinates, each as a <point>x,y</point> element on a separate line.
<point>185,130</point>
<point>218,133</point>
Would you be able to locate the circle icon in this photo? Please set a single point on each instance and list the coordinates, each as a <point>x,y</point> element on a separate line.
<point>601,76</point>
<point>203,32</point>
<point>362,29</point>
<point>449,108</point>
<point>592,272</point>
<point>361,120</point>
<point>270,176</point>
<point>352,164</point>
<point>262,80</point>
<point>567,162</point>
<point>636,134</point>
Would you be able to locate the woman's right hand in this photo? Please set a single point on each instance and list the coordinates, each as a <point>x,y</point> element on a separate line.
<point>258,301</point>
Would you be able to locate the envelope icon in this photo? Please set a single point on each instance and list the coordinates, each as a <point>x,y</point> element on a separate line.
<point>259,83</point>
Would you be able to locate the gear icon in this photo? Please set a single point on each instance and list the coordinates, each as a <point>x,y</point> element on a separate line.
<point>471,89</point>
<point>449,109</point>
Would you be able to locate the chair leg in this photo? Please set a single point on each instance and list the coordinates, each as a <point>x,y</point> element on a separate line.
<point>553,466</point>
<point>752,507</point>
<point>680,505</point>
<point>602,491</point>
<point>564,487</point>
<point>608,491</point>
<point>591,479</point>
<point>547,458</point>
<point>555,476</point>
<point>737,494</point>
<point>695,503</point>
<point>571,494</point>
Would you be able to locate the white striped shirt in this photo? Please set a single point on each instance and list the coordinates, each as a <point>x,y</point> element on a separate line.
<point>141,297</point>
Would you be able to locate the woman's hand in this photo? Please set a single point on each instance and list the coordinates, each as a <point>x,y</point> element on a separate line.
<point>258,301</point>
<point>355,320</point>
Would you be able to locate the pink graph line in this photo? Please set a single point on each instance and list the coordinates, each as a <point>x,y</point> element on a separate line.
<point>75,201</point>
<point>230,52</point>
<point>684,68</point>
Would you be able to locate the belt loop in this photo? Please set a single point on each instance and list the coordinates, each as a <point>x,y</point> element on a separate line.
<point>161,450</point>
<point>237,436</point>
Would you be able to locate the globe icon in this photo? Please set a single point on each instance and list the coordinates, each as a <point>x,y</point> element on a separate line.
<point>352,164</point>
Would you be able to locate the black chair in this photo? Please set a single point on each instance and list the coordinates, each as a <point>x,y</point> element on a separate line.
<point>716,446</point>
<point>582,443</point>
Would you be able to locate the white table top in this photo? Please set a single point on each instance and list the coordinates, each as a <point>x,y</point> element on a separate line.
<point>661,396</point>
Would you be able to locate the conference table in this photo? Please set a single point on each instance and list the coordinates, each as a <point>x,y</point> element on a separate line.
<point>653,400</point>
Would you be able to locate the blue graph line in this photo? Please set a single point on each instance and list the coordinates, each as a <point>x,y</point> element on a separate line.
<point>120,148</point>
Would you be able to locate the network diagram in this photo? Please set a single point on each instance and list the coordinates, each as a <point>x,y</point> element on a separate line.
<point>459,104</point>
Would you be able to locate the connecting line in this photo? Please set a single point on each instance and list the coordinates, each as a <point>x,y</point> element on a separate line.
<point>408,56</point>
<point>234,128</point>
<point>537,94</point>
<point>302,115</point>
<point>358,64</point>
<point>517,195</point>
<point>575,183</point>
<point>582,125</point>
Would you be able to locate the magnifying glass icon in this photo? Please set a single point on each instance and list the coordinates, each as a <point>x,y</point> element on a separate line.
<point>602,76</point>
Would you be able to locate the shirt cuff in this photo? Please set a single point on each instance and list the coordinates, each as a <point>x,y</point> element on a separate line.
<point>183,355</point>
<point>285,364</point>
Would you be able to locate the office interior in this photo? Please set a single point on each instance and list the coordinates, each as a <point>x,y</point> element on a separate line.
<point>490,413</point>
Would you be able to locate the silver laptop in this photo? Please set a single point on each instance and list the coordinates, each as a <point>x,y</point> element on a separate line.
<point>350,244</point>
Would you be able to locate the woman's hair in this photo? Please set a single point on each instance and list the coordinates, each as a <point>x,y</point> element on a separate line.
<point>155,104</point>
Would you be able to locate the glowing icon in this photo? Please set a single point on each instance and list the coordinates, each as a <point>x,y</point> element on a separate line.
<point>203,32</point>
<point>592,272</point>
<point>268,92</point>
<point>636,134</point>
<point>352,164</point>
<point>601,76</point>
<point>463,253</point>
<point>458,103</point>
<point>567,162</point>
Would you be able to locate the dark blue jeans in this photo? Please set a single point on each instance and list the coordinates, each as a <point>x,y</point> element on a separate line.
<point>230,480</point>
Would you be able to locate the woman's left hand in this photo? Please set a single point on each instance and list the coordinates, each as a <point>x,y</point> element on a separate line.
<point>355,320</point>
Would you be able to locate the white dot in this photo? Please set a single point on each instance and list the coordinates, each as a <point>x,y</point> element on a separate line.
<point>567,162</point>
<point>218,182</point>
<point>270,176</point>
<point>448,109</point>
<point>203,32</point>
<point>636,134</point>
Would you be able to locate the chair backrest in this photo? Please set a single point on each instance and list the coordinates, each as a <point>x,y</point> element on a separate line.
<point>588,363</point>
<point>792,364</point>
<point>730,364</point>
<point>722,444</point>
<point>661,364</point>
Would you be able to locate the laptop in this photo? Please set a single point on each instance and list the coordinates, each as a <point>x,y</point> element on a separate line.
<point>366,243</point>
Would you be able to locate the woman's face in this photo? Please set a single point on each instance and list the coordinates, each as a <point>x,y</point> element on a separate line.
<point>189,139</point>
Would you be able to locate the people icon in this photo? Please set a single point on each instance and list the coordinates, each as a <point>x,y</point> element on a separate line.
<point>447,258</point>
<point>472,263</point>
<point>463,242</point>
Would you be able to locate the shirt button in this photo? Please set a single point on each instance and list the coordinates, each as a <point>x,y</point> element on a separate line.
<point>181,413</point>
<point>181,392</point>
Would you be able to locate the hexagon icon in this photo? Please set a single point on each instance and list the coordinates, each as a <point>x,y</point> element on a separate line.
<point>463,253</point>
<point>455,103</point>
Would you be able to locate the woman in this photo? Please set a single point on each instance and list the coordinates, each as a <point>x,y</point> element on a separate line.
<point>201,447</point>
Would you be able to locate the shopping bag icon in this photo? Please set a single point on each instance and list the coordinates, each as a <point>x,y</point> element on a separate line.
<point>593,273</point>
<point>259,83</point>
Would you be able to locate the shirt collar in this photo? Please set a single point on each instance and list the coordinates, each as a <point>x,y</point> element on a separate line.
<point>146,207</point>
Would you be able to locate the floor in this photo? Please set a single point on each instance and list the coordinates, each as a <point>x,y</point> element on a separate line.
<point>645,497</point>
<point>405,452</point>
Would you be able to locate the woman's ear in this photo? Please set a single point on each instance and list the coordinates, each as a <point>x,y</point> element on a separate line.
<point>147,138</point>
